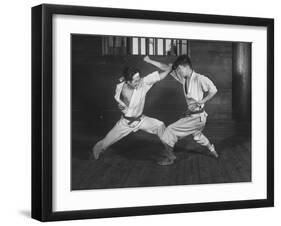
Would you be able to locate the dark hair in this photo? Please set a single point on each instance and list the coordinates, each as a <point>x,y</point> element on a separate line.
<point>182,60</point>
<point>129,72</point>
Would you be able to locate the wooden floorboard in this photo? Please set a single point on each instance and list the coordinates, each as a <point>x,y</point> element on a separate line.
<point>132,161</point>
<point>137,172</point>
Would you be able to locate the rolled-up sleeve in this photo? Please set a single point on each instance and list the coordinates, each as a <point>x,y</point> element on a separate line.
<point>152,78</point>
<point>208,85</point>
<point>117,92</point>
<point>178,78</point>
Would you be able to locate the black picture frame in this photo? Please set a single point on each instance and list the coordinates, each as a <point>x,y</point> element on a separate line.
<point>42,108</point>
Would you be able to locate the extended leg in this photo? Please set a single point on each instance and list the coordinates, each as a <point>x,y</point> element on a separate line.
<point>154,126</point>
<point>201,139</point>
<point>187,126</point>
<point>169,156</point>
<point>181,128</point>
<point>120,130</point>
<point>177,130</point>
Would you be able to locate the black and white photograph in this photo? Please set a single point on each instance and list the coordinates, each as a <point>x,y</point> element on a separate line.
<point>142,112</point>
<point>157,111</point>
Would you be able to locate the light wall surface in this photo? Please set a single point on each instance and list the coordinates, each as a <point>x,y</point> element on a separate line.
<point>15,120</point>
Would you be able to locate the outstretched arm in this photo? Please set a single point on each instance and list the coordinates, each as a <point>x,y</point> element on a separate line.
<point>164,74</point>
<point>164,67</point>
<point>160,65</point>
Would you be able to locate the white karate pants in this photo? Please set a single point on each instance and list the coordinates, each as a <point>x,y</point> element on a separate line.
<point>122,129</point>
<point>189,125</point>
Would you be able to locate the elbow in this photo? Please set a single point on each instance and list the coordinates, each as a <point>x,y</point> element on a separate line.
<point>213,92</point>
<point>116,99</point>
<point>165,67</point>
<point>163,76</point>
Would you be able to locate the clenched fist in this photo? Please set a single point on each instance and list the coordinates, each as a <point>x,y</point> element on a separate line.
<point>194,106</point>
<point>121,107</point>
<point>146,59</point>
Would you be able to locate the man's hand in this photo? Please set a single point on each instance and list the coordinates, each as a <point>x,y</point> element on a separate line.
<point>121,107</point>
<point>161,66</point>
<point>147,59</point>
<point>193,106</point>
<point>200,102</point>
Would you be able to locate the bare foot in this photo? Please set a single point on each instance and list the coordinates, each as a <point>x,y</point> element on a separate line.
<point>213,152</point>
<point>165,161</point>
<point>169,152</point>
<point>97,150</point>
<point>171,155</point>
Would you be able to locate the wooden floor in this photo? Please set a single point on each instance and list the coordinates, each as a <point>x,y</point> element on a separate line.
<point>132,161</point>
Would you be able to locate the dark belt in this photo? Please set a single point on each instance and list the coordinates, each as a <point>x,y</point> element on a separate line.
<point>132,119</point>
<point>188,112</point>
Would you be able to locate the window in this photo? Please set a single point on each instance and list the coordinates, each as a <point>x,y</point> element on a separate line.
<point>114,45</point>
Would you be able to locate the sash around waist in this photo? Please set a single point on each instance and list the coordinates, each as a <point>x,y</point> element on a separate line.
<point>132,119</point>
<point>189,112</point>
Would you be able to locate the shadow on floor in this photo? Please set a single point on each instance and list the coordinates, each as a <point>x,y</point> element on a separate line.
<point>143,146</point>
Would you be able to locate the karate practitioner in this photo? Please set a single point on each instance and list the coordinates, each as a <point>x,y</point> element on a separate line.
<point>194,87</point>
<point>130,95</point>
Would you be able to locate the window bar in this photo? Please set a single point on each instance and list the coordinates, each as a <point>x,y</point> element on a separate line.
<point>146,46</point>
<point>188,48</point>
<point>123,45</point>
<point>139,46</point>
<point>113,45</point>
<point>155,46</point>
<point>106,45</point>
<point>103,46</point>
<point>118,46</point>
<point>108,42</point>
<point>175,47</point>
<point>183,46</point>
<point>180,47</point>
<point>129,46</point>
<point>172,50</point>
<point>164,47</point>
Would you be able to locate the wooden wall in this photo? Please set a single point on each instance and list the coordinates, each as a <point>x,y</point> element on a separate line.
<point>94,78</point>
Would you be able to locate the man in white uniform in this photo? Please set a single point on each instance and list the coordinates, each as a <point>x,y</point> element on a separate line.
<point>194,88</point>
<point>130,95</point>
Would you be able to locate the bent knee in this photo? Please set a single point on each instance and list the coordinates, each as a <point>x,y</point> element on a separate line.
<point>201,139</point>
<point>160,125</point>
